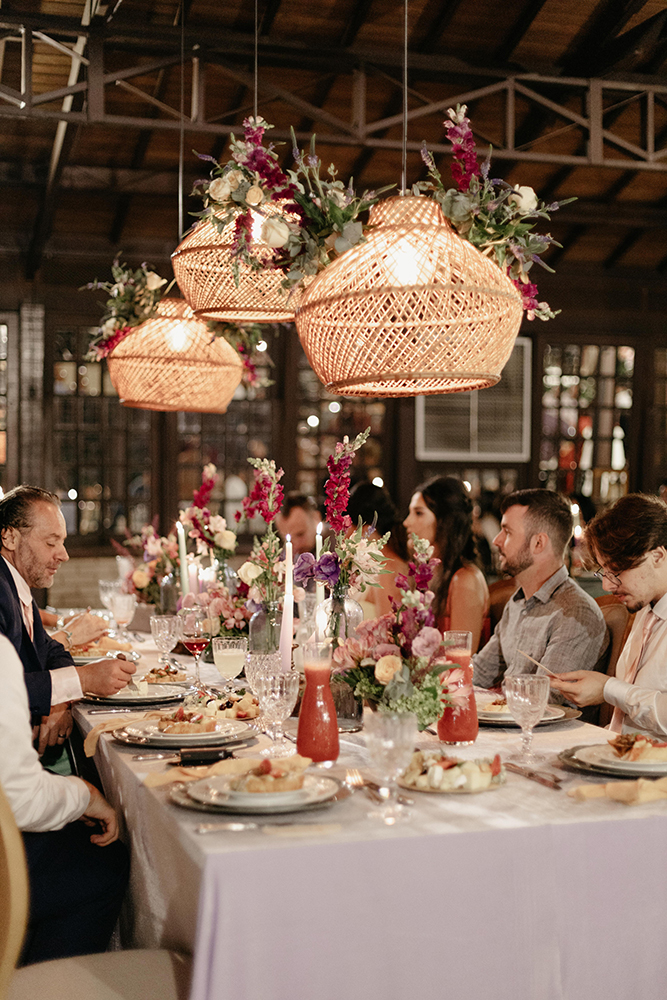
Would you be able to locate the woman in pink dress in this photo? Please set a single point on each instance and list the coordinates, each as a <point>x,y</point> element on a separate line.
<point>441,512</point>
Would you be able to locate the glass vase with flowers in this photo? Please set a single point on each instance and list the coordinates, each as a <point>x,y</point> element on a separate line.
<point>210,532</point>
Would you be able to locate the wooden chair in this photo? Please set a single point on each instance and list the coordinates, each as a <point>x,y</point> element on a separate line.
<point>500,593</point>
<point>619,622</point>
<point>114,975</point>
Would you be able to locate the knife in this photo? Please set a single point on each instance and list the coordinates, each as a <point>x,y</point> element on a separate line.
<point>199,755</point>
<point>549,780</point>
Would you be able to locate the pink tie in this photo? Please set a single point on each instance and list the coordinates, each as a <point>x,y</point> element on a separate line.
<point>27,618</point>
<point>616,723</point>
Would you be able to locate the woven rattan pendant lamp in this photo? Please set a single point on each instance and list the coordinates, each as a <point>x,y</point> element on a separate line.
<point>415,310</point>
<point>172,362</point>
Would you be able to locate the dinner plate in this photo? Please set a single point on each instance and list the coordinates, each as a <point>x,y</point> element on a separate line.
<point>109,654</point>
<point>179,796</point>
<point>601,755</point>
<point>453,791</point>
<point>156,692</point>
<point>572,763</point>
<point>146,733</point>
<point>215,791</point>
<point>552,713</point>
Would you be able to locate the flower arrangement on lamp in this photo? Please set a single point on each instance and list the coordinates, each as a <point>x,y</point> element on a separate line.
<point>495,217</point>
<point>249,342</point>
<point>398,662</point>
<point>134,296</point>
<point>157,556</point>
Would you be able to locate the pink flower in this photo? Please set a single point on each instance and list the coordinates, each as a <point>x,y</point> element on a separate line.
<point>188,601</point>
<point>426,642</point>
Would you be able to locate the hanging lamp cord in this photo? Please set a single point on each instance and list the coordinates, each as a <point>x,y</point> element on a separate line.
<point>181,137</point>
<point>404,173</point>
<point>256,62</point>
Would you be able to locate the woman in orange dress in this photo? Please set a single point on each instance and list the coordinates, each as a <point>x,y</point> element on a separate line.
<point>441,513</point>
<point>373,504</point>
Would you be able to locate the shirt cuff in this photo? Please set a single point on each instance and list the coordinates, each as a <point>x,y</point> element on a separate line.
<point>614,692</point>
<point>65,685</point>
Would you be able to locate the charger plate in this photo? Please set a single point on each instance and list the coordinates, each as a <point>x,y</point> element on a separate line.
<point>179,796</point>
<point>143,734</point>
<point>573,763</point>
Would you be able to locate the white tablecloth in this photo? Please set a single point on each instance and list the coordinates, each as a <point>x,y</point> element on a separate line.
<point>516,893</point>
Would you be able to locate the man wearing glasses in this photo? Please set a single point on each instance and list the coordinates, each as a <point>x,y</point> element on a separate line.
<point>629,543</point>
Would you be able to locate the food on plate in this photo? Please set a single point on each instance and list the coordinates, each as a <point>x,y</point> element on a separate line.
<point>186,721</point>
<point>166,674</point>
<point>431,771</point>
<point>636,746</point>
<point>238,705</point>
<point>271,776</point>
<point>105,644</point>
<point>499,705</point>
<point>138,685</point>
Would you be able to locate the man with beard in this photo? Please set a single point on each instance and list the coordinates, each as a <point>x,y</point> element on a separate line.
<point>549,616</point>
<point>629,543</point>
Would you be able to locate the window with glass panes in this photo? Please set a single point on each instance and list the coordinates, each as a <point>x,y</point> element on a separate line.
<point>101,449</point>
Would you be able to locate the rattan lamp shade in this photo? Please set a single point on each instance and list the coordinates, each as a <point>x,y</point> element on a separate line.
<point>171,362</point>
<point>202,264</point>
<point>415,310</point>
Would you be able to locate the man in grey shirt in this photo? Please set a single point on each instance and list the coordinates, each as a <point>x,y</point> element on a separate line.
<point>549,616</point>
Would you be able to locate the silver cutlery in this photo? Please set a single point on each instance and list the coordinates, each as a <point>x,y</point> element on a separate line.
<point>542,777</point>
<point>118,711</point>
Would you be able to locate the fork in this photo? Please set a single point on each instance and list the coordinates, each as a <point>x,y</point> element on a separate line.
<point>355,779</point>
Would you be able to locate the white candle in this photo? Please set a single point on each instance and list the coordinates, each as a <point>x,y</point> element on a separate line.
<point>319,587</point>
<point>182,558</point>
<point>287,627</point>
<point>193,576</point>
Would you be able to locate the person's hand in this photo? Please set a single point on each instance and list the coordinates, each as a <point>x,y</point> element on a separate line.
<point>99,811</point>
<point>106,677</point>
<point>55,727</point>
<point>583,687</point>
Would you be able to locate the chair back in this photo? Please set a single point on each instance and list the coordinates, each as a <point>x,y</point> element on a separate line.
<point>13,894</point>
<point>619,622</point>
<point>499,594</point>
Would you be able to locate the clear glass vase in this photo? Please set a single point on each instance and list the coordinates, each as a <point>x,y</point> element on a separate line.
<point>338,618</point>
<point>224,573</point>
<point>264,628</point>
<point>169,592</point>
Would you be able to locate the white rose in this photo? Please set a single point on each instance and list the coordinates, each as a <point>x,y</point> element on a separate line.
<point>249,572</point>
<point>109,326</point>
<point>386,667</point>
<point>220,189</point>
<point>217,523</point>
<point>225,540</point>
<point>255,195</point>
<point>234,178</point>
<point>275,232</point>
<point>154,281</point>
<point>525,198</point>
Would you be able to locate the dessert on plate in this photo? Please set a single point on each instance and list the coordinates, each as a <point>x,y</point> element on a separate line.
<point>499,705</point>
<point>636,746</point>
<point>432,771</point>
<point>185,720</point>
<point>165,674</point>
<point>270,776</point>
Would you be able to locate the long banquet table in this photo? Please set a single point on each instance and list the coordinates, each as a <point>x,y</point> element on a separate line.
<point>521,892</point>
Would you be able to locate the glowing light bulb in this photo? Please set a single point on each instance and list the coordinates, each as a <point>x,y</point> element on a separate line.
<point>334,407</point>
<point>177,337</point>
<point>262,346</point>
<point>313,420</point>
<point>378,481</point>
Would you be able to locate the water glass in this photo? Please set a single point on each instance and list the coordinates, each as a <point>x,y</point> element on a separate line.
<point>527,696</point>
<point>107,589</point>
<point>390,741</point>
<point>165,630</point>
<point>277,691</point>
<point>229,656</point>
<point>258,665</point>
<point>122,609</point>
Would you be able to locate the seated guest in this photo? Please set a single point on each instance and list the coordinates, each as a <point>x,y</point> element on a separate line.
<point>441,513</point>
<point>299,518</point>
<point>629,543</point>
<point>374,506</point>
<point>549,616</point>
<point>76,888</point>
<point>32,546</point>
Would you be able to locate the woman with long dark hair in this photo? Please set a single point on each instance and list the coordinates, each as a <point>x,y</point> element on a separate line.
<point>441,512</point>
<point>374,506</point>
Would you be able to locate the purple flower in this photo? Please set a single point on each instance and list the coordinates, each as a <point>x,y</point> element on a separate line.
<point>304,568</point>
<point>327,569</point>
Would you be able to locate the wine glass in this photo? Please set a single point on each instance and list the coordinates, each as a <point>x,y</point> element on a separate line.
<point>256,666</point>
<point>195,634</point>
<point>229,656</point>
<point>527,696</point>
<point>122,609</point>
<point>390,741</point>
<point>165,630</point>
<point>277,691</point>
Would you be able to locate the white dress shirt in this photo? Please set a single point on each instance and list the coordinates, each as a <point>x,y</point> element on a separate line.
<point>39,799</point>
<point>645,701</point>
<point>65,682</point>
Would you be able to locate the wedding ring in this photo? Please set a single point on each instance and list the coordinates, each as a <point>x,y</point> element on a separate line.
<point>62,736</point>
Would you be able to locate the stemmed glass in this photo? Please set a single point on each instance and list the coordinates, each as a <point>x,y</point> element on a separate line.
<point>390,740</point>
<point>107,589</point>
<point>527,696</point>
<point>122,609</point>
<point>229,656</point>
<point>165,630</point>
<point>277,691</point>
<point>258,665</point>
<point>195,634</point>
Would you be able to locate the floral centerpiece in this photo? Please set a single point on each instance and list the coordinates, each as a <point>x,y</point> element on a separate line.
<point>228,614</point>
<point>158,557</point>
<point>491,214</point>
<point>210,531</point>
<point>134,296</point>
<point>295,222</point>
<point>398,662</point>
<point>263,571</point>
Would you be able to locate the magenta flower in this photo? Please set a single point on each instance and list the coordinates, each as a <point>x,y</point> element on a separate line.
<point>327,569</point>
<point>266,496</point>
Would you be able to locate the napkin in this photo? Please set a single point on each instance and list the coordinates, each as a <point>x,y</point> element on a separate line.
<point>631,793</point>
<point>92,739</point>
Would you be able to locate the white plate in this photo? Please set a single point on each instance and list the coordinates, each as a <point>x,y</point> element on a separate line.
<point>109,654</point>
<point>216,792</point>
<point>551,714</point>
<point>156,692</point>
<point>148,730</point>
<point>601,755</point>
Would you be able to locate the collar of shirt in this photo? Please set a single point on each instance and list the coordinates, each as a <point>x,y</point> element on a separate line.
<point>21,586</point>
<point>548,588</point>
<point>660,607</point>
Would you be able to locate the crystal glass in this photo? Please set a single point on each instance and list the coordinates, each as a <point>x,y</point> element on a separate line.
<point>277,691</point>
<point>527,696</point>
<point>165,630</point>
<point>195,634</point>
<point>390,740</point>
<point>107,589</point>
<point>258,665</point>
<point>229,656</point>
<point>122,608</point>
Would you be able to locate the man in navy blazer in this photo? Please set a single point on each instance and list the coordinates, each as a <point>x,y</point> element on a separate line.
<point>32,547</point>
